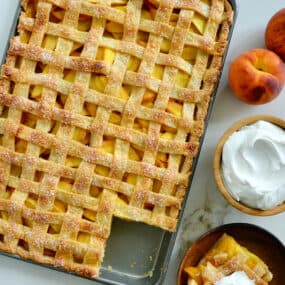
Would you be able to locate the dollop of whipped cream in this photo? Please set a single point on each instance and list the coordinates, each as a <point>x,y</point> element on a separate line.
<point>235,278</point>
<point>253,165</point>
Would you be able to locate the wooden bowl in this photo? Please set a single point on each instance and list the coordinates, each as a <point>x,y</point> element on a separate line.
<point>254,238</point>
<point>217,166</point>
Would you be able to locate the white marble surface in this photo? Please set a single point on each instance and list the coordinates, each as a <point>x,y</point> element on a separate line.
<point>205,208</point>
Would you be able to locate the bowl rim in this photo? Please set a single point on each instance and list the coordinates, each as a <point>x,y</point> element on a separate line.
<point>217,165</point>
<point>224,228</point>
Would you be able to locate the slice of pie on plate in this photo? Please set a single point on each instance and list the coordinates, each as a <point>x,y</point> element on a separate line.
<point>224,258</point>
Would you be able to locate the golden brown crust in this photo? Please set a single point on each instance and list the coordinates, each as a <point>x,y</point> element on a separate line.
<point>39,218</point>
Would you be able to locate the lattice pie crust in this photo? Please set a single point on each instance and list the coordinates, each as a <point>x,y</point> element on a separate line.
<point>102,108</point>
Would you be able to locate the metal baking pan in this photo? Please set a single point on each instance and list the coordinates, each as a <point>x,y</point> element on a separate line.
<point>136,253</point>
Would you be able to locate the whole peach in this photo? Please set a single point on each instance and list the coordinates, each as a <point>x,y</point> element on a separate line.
<point>275,33</point>
<point>257,76</point>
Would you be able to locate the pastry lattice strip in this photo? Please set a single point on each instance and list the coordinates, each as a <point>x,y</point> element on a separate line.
<point>211,273</point>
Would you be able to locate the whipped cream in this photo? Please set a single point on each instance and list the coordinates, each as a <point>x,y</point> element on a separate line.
<point>235,278</point>
<point>253,165</point>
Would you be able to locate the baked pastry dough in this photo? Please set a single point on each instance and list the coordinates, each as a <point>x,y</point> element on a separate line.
<point>225,258</point>
<point>102,109</point>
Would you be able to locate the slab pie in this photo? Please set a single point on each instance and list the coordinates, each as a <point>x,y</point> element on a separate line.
<point>102,107</point>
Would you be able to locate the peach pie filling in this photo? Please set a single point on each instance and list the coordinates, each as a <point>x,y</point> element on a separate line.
<point>225,258</point>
